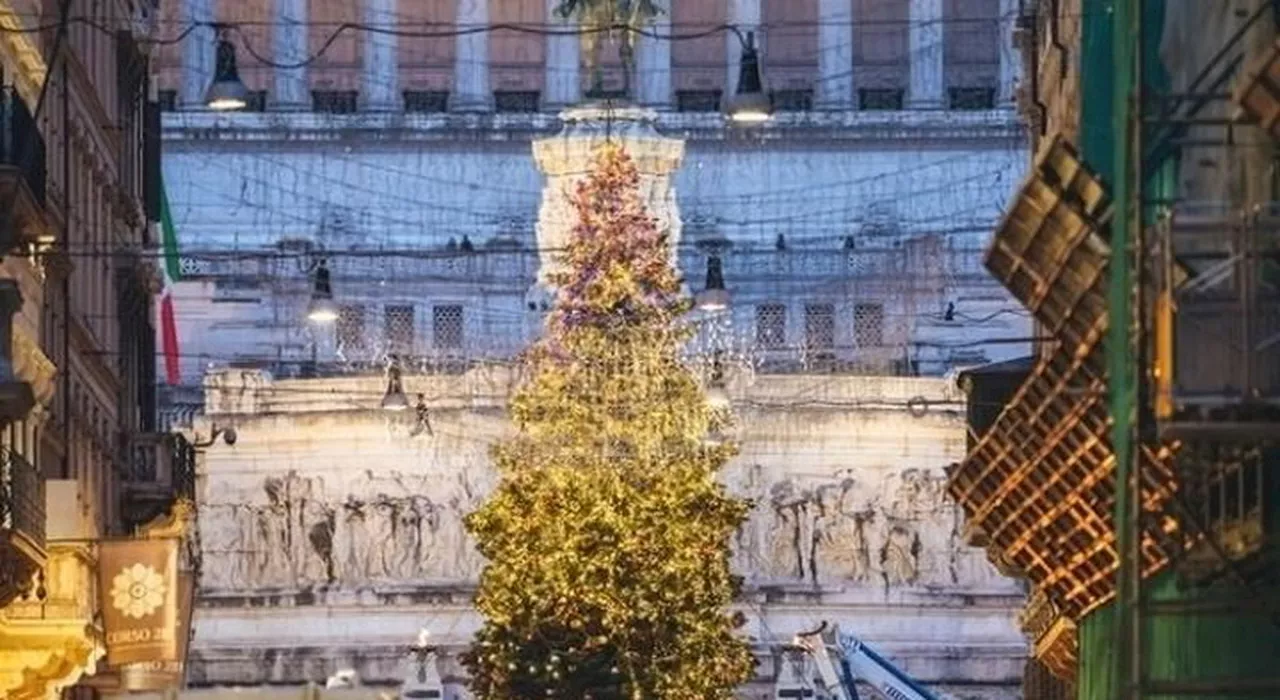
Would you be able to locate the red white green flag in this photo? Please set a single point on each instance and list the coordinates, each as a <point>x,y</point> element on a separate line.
<point>172,274</point>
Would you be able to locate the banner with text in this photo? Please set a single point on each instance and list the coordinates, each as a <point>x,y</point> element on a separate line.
<point>138,582</point>
<point>166,675</point>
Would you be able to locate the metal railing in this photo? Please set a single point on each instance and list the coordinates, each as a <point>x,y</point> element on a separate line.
<point>22,504</point>
<point>21,143</point>
<point>1220,274</point>
<point>163,460</point>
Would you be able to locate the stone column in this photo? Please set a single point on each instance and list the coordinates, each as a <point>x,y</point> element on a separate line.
<point>563,76</point>
<point>927,86</point>
<point>1010,56</point>
<point>197,53</point>
<point>835,54</point>
<point>290,47</point>
<point>653,64</point>
<point>471,92</point>
<point>381,91</point>
<point>745,15</point>
<point>565,157</point>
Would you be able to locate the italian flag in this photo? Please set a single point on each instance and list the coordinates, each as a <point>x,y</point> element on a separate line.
<point>172,274</point>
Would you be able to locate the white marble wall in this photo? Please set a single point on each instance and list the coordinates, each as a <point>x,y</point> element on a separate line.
<point>330,514</point>
<point>896,185</point>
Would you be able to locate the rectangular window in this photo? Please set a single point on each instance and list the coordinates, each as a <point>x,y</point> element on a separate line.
<point>792,100</point>
<point>426,101</point>
<point>446,326</point>
<point>397,329</point>
<point>257,101</point>
<point>516,100</point>
<point>349,328</point>
<point>868,325</point>
<point>771,326</point>
<point>819,326</point>
<point>972,98</point>
<point>334,101</point>
<point>698,100</point>
<point>879,99</point>
<point>168,100</point>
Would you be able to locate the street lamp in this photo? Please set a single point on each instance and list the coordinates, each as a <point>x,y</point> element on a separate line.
<point>749,104</point>
<point>394,399</point>
<point>424,683</point>
<point>321,308</point>
<point>227,92</point>
<point>714,297</point>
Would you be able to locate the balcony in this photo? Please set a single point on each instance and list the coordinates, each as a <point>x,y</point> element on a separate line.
<point>22,524</point>
<point>1219,351</point>
<point>23,179</point>
<point>161,471</point>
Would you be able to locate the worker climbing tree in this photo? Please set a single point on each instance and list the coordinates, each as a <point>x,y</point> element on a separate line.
<point>608,534</point>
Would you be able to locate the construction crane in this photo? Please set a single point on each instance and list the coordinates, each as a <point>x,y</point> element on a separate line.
<point>857,662</point>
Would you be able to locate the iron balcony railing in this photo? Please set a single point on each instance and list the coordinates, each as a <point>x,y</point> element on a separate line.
<point>1220,305</point>
<point>21,144</point>
<point>22,504</point>
<point>164,461</point>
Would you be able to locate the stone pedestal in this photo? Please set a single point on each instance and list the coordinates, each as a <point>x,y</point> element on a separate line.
<point>566,157</point>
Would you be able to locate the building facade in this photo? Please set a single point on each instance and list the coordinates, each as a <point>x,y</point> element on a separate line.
<point>77,339</point>
<point>1205,420</point>
<point>421,174</point>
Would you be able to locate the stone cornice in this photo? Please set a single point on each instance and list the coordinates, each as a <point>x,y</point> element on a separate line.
<point>196,130</point>
<point>22,46</point>
<point>32,366</point>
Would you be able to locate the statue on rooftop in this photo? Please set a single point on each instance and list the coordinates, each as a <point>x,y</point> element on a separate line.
<point>619,21</point>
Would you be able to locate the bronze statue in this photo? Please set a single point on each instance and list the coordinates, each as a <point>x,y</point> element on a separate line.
<point>620,21</point>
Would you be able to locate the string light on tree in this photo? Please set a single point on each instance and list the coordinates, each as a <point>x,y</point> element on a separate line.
<point>608,535</point>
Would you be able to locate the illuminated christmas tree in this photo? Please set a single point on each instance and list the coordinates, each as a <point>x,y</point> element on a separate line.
<point>608,535</point>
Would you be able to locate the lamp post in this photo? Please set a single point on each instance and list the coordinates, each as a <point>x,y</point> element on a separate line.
<point>423,680</point>
<point>321,308</point>
<point>394,398</point>
<point>227,92</point>
<point>749,104</point>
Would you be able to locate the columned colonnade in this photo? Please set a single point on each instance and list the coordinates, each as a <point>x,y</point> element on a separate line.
<point>834,87</point>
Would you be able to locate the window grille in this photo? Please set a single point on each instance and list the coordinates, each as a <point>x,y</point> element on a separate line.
<point>868,325</point>
<point>349,328</point>
<point>334,101</point>
<point>697,100</point>
<point>792,100</point>
<point>515,100</point>
<point>397,329</point>
<point>426,101</point>
<point>257,101</point>
<point>447,328</point>
<point>972,98</point>
<point>819,327</point>
<point>771,326</point>
<point>874,99</point>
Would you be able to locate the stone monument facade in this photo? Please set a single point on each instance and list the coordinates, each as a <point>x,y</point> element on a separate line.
<point>565,158</point>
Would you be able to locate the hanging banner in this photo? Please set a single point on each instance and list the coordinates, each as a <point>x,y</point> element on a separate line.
<point>166,675</point>
<point>138,583</point>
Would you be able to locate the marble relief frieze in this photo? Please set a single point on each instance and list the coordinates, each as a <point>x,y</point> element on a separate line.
<point>853,529</point>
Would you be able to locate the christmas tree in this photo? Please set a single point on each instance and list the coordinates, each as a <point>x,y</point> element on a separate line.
<point>608,534</point>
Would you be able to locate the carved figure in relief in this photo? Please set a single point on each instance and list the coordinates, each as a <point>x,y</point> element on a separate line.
<point>273,555</point>
<point>353,548</point>
<point>786,559</point>
<point>467,497</point>
<point>900,555</point>
<point>748,547</point>
<point>843,549</point>
<point>383,543</point>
